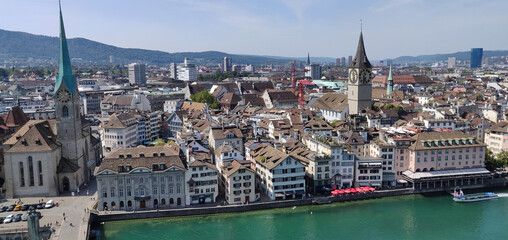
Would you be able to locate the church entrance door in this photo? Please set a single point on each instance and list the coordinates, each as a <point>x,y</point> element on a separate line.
<point>66,184</point>
<point>142,204</point>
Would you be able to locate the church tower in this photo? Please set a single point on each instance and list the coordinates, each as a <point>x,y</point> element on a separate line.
<point>389,87</point>
<point>67,107</point>
<point>359,85</point>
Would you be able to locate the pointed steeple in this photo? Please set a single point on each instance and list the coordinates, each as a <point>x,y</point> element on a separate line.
<point>389,88</point>
<point>65,77</point>
<point>360,60</point>
<point>308,58</point>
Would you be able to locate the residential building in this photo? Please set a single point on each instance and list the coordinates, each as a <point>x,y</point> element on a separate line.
<point>496,137</point>
<point>230,135</point>
<point>240,182</point>
<point>121,131</point>
<point>137,75</point>
<point>225,154</point>
<point>369,172</point>
<point>342,162</point>
<point>171,106</point>
<point>141,178</point>
<point>318,169</point>
<point>281,176</point>
<point>202,183</point>
<point>386,151</point>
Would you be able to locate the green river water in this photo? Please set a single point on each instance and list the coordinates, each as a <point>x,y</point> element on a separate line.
<point>404,217</point>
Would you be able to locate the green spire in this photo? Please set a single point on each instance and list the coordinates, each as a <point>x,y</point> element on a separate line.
<point>65,77</point>
<point>389,88</point>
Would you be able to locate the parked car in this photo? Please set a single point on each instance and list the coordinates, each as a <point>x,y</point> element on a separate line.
<point>2,220</point>
<point>17,218</point>
<point>24,217</point>
<point>49,204</point>
<point>17,208</point>
<point>40,205</point>
<point>11,207</point>
<point>3,208</point>
<point>9,218</point>
<point>25,207</point>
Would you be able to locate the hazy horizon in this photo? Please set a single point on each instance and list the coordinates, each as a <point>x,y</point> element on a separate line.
<point>286,28</point>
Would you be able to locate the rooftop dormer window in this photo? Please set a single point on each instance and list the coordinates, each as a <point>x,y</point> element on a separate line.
<point>155,154</point>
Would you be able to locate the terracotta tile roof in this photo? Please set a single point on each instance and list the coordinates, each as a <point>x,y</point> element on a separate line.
<point>15,118</point>
<point>198,163</point>
<point>235,166</point>
<point>192,106</point>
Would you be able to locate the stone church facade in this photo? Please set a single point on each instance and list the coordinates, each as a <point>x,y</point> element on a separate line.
<point>49,157</point>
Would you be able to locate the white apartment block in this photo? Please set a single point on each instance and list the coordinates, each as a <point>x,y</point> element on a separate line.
<point>202,183</point>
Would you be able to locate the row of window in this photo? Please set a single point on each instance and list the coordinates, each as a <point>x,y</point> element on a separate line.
<point>141,180</point>
<point>288,186</point>
<point>141,191</point>
<point>31,174</point>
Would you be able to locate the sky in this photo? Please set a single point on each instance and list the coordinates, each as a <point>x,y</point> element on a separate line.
<point>290,28</point>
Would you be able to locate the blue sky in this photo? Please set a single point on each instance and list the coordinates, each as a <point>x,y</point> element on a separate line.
<point>290,28</point>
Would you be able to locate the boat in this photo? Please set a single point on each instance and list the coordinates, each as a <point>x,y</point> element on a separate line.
<point>459,196</point>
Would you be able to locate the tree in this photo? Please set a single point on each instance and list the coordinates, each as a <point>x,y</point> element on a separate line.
<point>494,162</point>
<point>205,97</point>
<point>159,142</point>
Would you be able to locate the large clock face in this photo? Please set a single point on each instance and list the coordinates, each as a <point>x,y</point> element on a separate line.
<point>365,76</point>
<point>353,76</point>
<point>63,95</point>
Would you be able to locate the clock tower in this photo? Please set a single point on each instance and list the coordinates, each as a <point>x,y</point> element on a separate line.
<point>67,109</point>
<point>359,81</point>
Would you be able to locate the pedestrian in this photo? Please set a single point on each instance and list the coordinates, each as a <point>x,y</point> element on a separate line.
<point>64,219</point>
<point>87,192</point>
<point>64,214</point>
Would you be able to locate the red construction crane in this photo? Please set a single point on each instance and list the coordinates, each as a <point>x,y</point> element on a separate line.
<point>300,96</point>
<point>293,78</point>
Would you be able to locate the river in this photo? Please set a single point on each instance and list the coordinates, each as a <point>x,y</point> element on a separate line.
<point>404,217</point>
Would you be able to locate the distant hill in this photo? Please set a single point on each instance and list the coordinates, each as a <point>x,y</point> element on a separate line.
<point>444,57</point>
<point>25,45</point>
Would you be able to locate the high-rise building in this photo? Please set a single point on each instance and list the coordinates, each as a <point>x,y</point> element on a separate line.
<point>452,62</point>
<point>137,75</point>
<point>337,61</point>
<point>227,65</point>
<point>349,60</point>
<point>312,71</point>
<point>360,85</point>
<point>187,71</point>
<point>476,57</point>
<point>343,61</point>
<point>173,71</point>
<point>111,59</point>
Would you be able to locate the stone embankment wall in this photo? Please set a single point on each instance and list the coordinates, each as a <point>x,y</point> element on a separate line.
<point>117,216</point>
<point>22,234</point>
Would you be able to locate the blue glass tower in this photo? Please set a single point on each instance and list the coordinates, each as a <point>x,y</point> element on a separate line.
<point>476,57</point>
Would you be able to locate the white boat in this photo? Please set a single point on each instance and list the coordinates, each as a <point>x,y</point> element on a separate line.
<point>459,196</point>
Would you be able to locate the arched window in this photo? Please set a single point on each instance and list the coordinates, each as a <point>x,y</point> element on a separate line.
<point>31,170</point>
<point>179,201</point>
<point>155,202</point>
<point>171,201</point>
<point>129,204</point>
<point>113,205</point>
<point>121,204</point>
<point>163,201</point>
<point>65,111</point>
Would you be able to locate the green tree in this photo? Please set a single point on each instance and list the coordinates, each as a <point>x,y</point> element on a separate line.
<point>159,142</point>
<point>205,97</point>
<point>494,162</point>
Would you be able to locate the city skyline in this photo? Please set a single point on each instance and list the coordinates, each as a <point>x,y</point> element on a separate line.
<point>279,28</point>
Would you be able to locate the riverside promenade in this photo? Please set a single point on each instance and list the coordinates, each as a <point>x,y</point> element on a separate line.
<point>105,216</point>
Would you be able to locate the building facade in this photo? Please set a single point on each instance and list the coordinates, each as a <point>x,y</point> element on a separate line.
<point>137,74</point>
